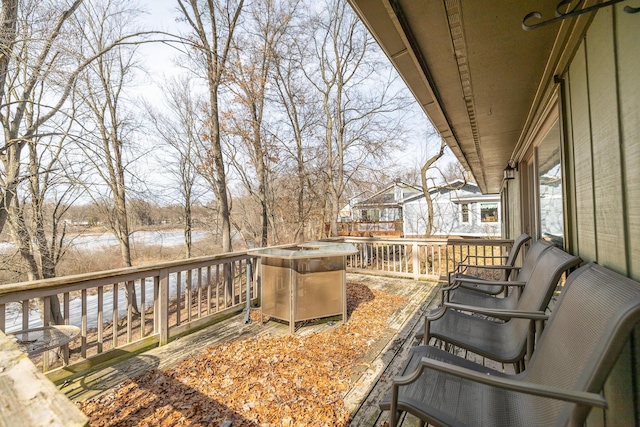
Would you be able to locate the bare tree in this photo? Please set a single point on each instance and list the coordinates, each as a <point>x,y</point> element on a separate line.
<point>30,51</point>
<point>213,25</point>
<point>36,219</point>
<point>359,127</point>
<point>249,79</point>
<point>36,52</point>
<point>301,113</point>
<point>38,70</point>
<point>109,124</point>
<point>180,129</point>
<point>446,179</point>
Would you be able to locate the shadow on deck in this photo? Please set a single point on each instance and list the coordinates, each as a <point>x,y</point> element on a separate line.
<point>370,377</point>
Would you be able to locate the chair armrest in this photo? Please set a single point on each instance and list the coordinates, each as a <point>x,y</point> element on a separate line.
<point>451,287</point>
<point>495,267</point>
<point>518,314</point>
<point>488,282</point>
<point>579,397</point>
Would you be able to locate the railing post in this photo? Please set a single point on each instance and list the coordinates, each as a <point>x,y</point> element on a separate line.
<point>415,249</point>
<point>162,306</point>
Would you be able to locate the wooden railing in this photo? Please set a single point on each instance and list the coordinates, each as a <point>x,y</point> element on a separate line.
<point>172,299</point>
<point>178,297</point>
<point>371,228</point>
<point>422,258</point>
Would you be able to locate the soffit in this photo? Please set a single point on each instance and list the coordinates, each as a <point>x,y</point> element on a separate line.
<point>474,70</point>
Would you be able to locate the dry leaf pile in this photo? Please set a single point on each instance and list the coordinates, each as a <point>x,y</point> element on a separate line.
<point>266,381</point>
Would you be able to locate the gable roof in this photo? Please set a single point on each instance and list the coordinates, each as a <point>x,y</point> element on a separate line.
<point>458,186</point>
<point>387,197</point>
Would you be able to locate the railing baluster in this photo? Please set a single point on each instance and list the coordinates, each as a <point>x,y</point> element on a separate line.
<point>178,296</point>
<point>143,307</point>
<point>225,280</point>
<point>65,305</point>
<point>217,287</point>
<point>199,293</point>
<point>208,289</point>
<point>163,305</point>
<point>25,314</point>
<point>132,286</point>
<point>188,294</point>
<point>114,326</point>
<point>156,304</point>
<point>234,279</point>
<point>46,322</point>
<point>83,325</point>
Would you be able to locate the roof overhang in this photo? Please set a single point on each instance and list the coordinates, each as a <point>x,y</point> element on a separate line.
<point>480,78</point>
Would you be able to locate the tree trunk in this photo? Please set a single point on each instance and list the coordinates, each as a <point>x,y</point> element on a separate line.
<point>430,228</point>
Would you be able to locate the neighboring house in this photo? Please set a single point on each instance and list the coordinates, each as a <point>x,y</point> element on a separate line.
<point>400,209</point>
<point>348,213</point>
<point>459,209</point>
<point>377,215</point>
<point>386,204</point>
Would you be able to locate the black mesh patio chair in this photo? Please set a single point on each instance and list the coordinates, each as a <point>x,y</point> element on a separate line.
<point>463,270</point>
<point>464,291</point>
<point>509,341</point>
<point>591,322</point>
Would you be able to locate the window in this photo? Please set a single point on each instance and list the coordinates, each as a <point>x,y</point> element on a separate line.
<point>549,177</point>
<point>542,184</point>
<point>488,212</point>
<point>464,209</point>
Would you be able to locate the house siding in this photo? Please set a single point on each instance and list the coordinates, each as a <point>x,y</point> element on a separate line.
<point>601,94</point>
<point>602,91</point>
<point>447,215</point>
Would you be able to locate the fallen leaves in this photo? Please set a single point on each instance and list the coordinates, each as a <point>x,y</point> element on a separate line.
<point>265,381</point>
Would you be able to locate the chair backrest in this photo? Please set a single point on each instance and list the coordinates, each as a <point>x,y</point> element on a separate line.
<point>590,324</point>
<point>546,273</point>
<point>518,243</point>
<point>537,293</point>
<point>531,259</point>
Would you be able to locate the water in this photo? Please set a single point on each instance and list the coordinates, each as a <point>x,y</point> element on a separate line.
<point>159,238</point>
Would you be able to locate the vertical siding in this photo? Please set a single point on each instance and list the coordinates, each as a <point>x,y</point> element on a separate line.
<point>603,89</point>
<point>627,36</point>
<point>583,172</point>
<point>607,175</point>
<point>628,55</point>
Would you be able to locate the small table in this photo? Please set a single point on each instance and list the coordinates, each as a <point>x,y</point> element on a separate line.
<point>304,282</point>
<point>38,340</point>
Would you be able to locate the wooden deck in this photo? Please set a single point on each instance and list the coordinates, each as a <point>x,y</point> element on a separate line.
<point>371,380</point>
